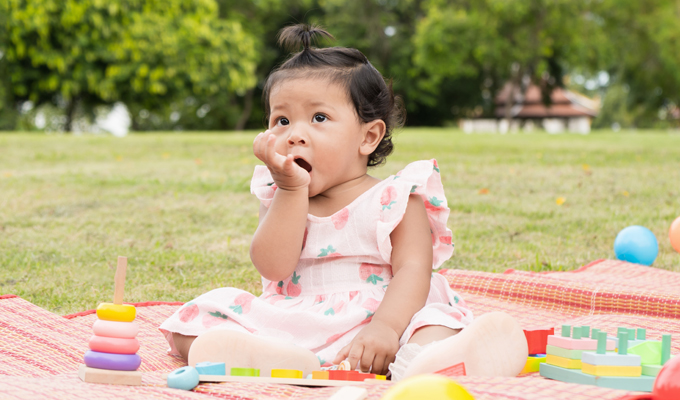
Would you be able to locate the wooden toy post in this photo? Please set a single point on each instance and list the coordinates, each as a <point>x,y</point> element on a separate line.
<point>119,280</point>
<point>113,357</point>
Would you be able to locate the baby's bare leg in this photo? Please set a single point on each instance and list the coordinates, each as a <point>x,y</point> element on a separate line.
<point>245,350</point>
<point>432,333</point>
<point>492,345</point>
<point>183,344</point>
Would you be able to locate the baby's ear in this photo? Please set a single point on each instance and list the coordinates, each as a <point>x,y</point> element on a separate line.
<point>373,134</point>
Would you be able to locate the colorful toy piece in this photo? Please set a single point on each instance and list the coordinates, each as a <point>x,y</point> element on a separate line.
<point>334,377</point>
<point>124,330</point>
<point>666,385</point>
<point>112,356</point>
<point>185,378</point>
<point>427,386</point>
<point>674,234</point>
<point>624,370</point>
<point>113,345</point>
<point>537,339</point>
<point>117,362</point>
<point>636,244</point>
<point>533,363</point>
<point>211,368</point>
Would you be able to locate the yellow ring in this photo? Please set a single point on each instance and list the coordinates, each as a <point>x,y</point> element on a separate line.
<point>116,312</point>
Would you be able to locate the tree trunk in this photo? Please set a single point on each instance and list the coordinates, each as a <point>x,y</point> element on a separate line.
<point>247,110</point>
<point>70,113</point>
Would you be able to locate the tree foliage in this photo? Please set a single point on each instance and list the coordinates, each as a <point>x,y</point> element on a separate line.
<point>143,53</point>
<point>201,64</point>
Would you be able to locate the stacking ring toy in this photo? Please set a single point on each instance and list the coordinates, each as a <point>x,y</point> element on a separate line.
<point>185,378</point>
<point>115,329</point>
<point>113,345</point>
<point>116,312</point>
<point>118,362</point>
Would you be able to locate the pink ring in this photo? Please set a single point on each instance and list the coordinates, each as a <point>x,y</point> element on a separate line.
<point>105,344</point>
<point>115,329</point>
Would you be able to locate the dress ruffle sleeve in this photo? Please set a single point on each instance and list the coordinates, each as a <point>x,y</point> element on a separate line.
<point>262,185</point>
<point>422,178</point>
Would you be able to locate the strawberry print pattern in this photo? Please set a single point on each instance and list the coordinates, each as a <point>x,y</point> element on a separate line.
<point>342,274</point>
<point>340,218</point>
<point>388,198</point>
<point>329,252</point>
<point>370,273</point>
<point>294,288</point>
<point>242,303</point>
<point>188,312</point>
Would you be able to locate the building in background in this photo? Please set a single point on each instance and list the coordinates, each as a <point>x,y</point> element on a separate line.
<point>568,112</point>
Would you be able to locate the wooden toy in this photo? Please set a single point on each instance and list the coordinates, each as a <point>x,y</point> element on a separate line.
<point>241,371</point>
<point>210,368</point>
<point>287,381</point>
<point>563,362</point>
<point>537,339</point>
<point>286,373</point>
<point>185,378</point>
<point>244,350</point>
<point>118,362</point>
<point>112,357</point>
<point>113,345</point>
<point>623,370</point>
<point>533,363</point>
<point>126,330</point>
<point>639,384</point>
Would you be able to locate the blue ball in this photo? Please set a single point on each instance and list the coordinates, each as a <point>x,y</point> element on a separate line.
<point>185,378</point>
<point>636,244</point>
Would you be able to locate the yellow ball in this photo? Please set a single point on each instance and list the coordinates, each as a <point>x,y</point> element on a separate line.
<point>427,387</point>
<point>116,312</point>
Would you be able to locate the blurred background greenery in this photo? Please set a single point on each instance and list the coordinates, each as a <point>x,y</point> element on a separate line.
<point>201,64</point>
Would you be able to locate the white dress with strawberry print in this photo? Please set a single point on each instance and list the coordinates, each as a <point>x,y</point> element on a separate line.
<point>342,275</point>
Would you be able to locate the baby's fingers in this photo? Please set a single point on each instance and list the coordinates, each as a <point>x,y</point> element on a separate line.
<point>342,354</point>
<point>271,157</point>
<point>367,359</point>
<point>355,355</point>
<point>259,144</point>
<point>380,365</point>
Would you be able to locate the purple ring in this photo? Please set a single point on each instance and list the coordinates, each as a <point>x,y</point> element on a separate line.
<point>119,362</point>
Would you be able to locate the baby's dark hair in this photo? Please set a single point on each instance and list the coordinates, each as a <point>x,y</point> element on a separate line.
<point>371,96</point>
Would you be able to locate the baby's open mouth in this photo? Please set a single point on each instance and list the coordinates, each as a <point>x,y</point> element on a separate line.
<point>303,164</point>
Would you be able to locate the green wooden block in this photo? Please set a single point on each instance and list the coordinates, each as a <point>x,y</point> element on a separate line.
<point>649,352</point>
<point>245,372</point>
<point>651,370</point>
<point>638,384</point>
<point>564,353</point>
<point>566,375</point>
<point>566,330</point>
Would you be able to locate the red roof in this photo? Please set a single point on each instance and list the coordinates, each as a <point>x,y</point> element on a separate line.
<point>564,104</point>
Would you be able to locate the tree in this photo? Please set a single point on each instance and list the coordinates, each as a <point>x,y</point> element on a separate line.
<point>491,42</point>
<point>83,53</point>
<point>643,58</point>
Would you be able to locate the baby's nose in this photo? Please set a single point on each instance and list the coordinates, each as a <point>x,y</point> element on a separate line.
<point>296,138</point>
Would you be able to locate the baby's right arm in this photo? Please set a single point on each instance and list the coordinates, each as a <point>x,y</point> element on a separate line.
<point>277,242</point>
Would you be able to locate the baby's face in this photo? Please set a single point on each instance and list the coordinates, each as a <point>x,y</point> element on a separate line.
<point>315,121</point>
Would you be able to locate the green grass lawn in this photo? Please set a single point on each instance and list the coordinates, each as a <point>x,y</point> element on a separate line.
<point>179,207</point>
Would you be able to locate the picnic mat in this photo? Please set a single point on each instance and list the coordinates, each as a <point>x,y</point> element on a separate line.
<point>40,351</point>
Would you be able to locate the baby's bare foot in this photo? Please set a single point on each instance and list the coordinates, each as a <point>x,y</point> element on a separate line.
<point>492,345</point>
<point>243,350</point>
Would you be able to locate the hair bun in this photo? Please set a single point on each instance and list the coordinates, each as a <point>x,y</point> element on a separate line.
<point>291,37</point>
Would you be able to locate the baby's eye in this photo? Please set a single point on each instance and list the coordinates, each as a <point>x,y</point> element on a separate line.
<point>282,121</point>
<point>320,118</point>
